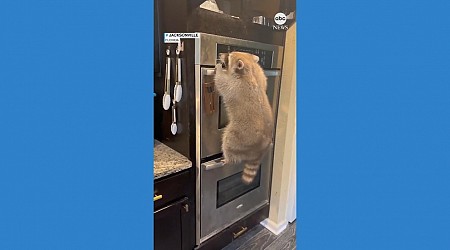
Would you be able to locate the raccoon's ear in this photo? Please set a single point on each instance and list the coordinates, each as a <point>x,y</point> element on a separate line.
<point>240,64</point>
<point>255,58</point>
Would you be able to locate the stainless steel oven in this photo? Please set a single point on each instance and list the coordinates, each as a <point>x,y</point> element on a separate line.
<point>225,199</point>
<point>222,198</point>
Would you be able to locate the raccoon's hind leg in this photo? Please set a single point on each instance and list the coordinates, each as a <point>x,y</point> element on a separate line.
<point>229,147</point>
<point>229,157</point>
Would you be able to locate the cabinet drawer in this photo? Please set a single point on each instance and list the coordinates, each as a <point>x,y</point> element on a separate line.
<point>235,231</point>
<point>170,189</point>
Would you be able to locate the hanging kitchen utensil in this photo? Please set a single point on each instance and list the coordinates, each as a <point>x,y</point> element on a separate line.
<point>178,91</point>
<point>173,126</point>
<point>166,97</point>
<point>209,95</point>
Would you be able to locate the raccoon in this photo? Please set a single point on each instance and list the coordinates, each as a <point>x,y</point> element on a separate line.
<point>242,84</point>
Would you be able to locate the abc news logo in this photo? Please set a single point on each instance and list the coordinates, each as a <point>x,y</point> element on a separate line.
<point>280,19</point>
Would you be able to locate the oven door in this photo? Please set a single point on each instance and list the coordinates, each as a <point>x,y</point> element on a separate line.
<point>213,114</point>
<point>225,199</point>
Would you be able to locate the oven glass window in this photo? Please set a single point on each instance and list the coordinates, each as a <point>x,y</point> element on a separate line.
<point>223,118</point>
<point>270,90</point>
<point>232,187</point>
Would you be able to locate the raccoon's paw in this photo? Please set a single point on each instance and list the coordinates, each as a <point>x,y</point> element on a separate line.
<point>228,161</point>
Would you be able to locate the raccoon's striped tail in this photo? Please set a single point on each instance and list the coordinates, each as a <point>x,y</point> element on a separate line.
<point>250,171</point>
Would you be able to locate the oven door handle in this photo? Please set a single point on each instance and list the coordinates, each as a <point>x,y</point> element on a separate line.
<point>214,164</point>
<point>210,72</point>
<point>272,72</point>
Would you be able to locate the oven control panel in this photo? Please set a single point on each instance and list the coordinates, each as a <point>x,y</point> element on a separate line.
<point>265,56</point>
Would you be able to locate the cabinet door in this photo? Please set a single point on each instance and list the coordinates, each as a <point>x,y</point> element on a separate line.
<point>168,226</point>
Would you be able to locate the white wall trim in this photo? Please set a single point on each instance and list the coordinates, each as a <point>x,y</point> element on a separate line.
<point>292,193</point>
<point>274,227</point>
<point>283,173</point>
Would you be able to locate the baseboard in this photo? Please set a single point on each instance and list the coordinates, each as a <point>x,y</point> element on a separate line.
<point>274,227</point>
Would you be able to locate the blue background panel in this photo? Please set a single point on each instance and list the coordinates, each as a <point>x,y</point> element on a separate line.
<point>76,124</point>
<point>374,124</point>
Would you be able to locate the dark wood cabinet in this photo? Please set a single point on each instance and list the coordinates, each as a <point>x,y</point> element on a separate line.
<point>174,215</point>
<point>169,224</point>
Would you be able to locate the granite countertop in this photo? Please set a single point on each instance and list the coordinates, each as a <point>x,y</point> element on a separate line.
<point>168,161</point>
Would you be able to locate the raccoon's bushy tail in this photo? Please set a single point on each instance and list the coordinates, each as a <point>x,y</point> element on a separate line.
<point>250,171</point>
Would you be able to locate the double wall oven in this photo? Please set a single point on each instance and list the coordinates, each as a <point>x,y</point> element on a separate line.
<point>222,198</point>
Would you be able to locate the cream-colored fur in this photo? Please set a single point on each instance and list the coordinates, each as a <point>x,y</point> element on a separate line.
<point>242,84</point>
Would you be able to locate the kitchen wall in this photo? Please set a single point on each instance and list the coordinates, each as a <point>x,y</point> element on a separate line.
<point>282,203</point>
